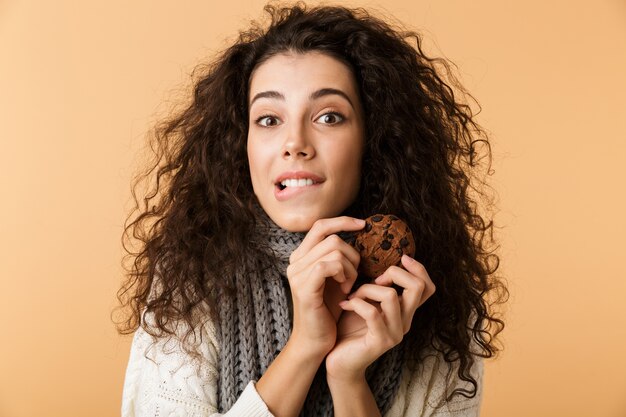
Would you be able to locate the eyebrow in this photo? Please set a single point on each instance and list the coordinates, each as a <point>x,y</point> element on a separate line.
<point>314,95</point>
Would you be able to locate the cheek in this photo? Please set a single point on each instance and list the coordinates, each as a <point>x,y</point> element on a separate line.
<point>354,164</point>
<point>347,162</point>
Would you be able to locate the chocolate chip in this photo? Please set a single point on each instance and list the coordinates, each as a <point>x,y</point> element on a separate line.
<point>389,236</point>
<point>404,242</point>
<point>377,218</point>
<point>368,227</point>
<point>385,245</point>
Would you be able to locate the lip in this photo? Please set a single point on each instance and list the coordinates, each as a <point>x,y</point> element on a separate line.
<point>297,175</point>
<point>290,192</point>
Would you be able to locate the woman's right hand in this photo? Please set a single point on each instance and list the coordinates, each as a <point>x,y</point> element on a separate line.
<point>321,256</point>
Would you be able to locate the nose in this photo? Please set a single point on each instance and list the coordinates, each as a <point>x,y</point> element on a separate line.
<point>298,144</point>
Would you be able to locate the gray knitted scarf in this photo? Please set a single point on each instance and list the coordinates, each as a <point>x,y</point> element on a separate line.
<point>254,328</point>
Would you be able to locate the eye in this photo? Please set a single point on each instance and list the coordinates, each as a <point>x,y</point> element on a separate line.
<point>332,118</point>
<point>267,120</point>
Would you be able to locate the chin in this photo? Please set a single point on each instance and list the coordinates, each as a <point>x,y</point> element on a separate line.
<point>299,218</point>
<point>295,224</point>
<point>294,220</point>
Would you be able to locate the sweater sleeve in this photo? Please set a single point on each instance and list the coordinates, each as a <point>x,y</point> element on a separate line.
<point>163,380</point>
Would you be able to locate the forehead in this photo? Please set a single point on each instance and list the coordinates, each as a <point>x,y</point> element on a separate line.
<point>289,72</point>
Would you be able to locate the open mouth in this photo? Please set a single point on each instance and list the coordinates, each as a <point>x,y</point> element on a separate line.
<point>299,183</point>
<point>289,188</point>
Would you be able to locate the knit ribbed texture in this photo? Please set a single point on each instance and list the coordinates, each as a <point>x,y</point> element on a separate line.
<point>255,326</point>
<point>250,409</point>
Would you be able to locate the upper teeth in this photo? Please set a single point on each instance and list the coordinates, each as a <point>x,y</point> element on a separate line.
<point>297,183</point>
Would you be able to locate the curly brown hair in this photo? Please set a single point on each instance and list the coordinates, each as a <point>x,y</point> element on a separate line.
<point>423,161</point>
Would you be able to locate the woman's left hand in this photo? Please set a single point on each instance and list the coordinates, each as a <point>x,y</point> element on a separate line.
<point>366,329</point>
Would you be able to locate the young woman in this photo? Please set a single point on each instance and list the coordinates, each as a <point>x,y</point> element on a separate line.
<point>245,300</point>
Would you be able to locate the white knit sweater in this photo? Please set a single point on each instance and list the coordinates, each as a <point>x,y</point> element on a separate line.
<point>162,381</point>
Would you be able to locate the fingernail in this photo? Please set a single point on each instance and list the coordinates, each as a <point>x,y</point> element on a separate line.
<point>360,222</point>
<point>343,303</point>
<point>407,258</point>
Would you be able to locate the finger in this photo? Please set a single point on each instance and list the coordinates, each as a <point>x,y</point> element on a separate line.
<point>419,270</point>
<point>407,278</point>
<point>413,295</point>
<point>323,228</point>
<point>370,314</point>
<point>376,326</point>
<point>349,273</point>
<point>389,304</point>
<point>339,270</point>
<point>330,244</point>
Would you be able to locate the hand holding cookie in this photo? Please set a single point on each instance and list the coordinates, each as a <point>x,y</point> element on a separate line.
<point>379,313</point>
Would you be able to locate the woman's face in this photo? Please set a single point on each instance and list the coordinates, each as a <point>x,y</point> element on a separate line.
<point>306,132</point>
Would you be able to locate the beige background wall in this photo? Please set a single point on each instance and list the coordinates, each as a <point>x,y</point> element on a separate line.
<point>82,82</point>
